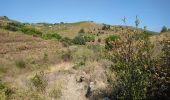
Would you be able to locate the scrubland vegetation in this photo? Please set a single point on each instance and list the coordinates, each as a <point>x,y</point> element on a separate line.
<point>98,62</point>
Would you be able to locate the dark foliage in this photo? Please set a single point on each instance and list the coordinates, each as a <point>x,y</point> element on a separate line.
<point>79,40</point>
<point>164,29</point>
<point>82,31</point>
<point>110,40</point>
<point>106,27</point>
<point>52,36</point>
<point>31,31</point>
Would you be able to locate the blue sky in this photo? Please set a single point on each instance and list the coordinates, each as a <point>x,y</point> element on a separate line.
<point>152,13</point>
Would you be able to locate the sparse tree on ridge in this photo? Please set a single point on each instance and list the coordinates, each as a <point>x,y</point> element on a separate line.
<point>124,20</point>
<point>137,22</point>
<point>164,29</point>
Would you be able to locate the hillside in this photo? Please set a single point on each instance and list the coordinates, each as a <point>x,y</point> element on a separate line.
<point>81,61</point>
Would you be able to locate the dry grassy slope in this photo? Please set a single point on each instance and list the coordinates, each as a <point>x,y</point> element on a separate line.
<point>18,46</point>
<point>161,36</point>
<point>156,39</point>
<point>13,42</point>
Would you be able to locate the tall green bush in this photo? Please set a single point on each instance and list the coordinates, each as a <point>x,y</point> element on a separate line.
<point>131,61</point>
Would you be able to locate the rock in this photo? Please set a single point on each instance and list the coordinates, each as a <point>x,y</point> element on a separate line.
<point>80,78</point>
<point>90,89</point>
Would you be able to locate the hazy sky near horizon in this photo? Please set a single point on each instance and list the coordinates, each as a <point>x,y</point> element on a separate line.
<point>153,13</point>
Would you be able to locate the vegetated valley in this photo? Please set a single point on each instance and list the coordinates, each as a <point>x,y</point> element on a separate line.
<point>83,61</point>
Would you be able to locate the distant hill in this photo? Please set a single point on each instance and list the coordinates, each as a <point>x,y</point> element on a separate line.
<point>72,29</point>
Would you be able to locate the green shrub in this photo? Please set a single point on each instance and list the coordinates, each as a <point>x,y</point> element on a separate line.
<point>130,64</point>
<point>14,26</point>
<point>66,41</point>
<point>78,65</point>
<point>11,28</point>
<point>52,36</point>
<point>39,81</point>
<point>79,40</point>
<point>82,31</point>
<point>82,54</point>
<point>89,38</point>
<point>31,31</point>
<point>110,40</point>
<point>45,58</point>
<point>20,63</point>
<point>5,91</point>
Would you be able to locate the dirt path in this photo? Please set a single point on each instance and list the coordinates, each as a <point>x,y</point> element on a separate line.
<point>73,90</point>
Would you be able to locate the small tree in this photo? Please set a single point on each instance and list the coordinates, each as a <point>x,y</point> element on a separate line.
<point>106,27</point>
<point>164,29</point>
<point>132,59</point>
<point>137,22</point>
<point>82,31</point>
<point>61,22</point>
<point>124,20</point>
<point>145,28</point>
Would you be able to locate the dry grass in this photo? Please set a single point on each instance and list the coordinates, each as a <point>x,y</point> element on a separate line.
<point>16,46</point>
